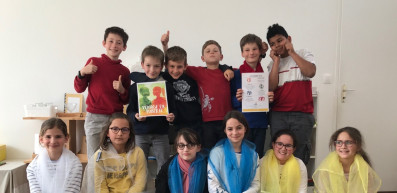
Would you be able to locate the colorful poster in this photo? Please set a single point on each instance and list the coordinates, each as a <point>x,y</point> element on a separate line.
<point>255,88</point>
<point>152,99</point>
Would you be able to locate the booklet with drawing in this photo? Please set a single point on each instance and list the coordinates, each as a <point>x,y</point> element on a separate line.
<point>152,99</point>
<point>255,87</point>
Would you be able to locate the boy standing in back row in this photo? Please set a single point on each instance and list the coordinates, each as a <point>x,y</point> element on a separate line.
<point>152,130</point>
<point>214,90</point>
<point>252,51</point>
<point>107,81</point>
<point>289,78</point>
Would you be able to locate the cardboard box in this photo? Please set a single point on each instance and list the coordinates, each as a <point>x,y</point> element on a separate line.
<point>3,153</point>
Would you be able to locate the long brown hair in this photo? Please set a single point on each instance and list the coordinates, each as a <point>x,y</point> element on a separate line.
<point>357,138</point>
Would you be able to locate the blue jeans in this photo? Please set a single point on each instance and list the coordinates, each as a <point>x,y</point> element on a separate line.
<point>160,144</point>
<point>298,122</point>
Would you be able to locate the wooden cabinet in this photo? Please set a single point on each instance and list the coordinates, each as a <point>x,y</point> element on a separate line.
<point>70,120</point>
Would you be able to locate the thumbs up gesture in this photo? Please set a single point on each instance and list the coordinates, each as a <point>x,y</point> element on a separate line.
<point>89,69</point>
<point>118,85</point>
<point>164,40</point>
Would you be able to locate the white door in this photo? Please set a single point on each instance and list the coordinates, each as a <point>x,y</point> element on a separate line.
<point>368,55</point>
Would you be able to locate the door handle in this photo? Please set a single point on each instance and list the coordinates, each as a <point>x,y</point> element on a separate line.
<point>344,91</point>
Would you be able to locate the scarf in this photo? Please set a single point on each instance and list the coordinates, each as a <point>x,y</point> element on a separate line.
<point>105,164</point>
<point>271,181</point>
<point>52,175</point>
<point>196,175</point>
<point>329,176</point>
<point>184,165</point>
<point>223,161</point>
<point>245,67</point>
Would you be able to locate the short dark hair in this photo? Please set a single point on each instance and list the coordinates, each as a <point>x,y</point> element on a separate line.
<point>284,132</point>
<point>357,138</point>
<point>211,42</point>
<point>236,115</point>
<point>53,123</point>
<point>190,136</point>
<point>175,54</point>
<point>275,29</point>
<point>153,51</point>
<point>251,38</point>
<point>119,31</point>
<point>104,143</point>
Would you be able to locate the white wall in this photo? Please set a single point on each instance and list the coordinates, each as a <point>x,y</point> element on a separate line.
<point>44,43</point>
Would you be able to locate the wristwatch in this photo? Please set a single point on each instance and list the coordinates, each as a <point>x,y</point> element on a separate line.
<point>79,75</point>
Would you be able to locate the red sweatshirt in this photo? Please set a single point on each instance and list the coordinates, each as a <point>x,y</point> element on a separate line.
<point>102,97</point>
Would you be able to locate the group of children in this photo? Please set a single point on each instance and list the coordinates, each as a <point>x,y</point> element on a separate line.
<point>231,166</point>
<point>199,98</point>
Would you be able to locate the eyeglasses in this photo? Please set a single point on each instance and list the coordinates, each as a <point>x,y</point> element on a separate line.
<point>281,145</point>
<point>182,146</point>
<point>123,130</point>
<point>340,143</point>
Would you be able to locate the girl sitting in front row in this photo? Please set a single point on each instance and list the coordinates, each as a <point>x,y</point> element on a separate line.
<point>119,165</point>
<point>233,163</point>
<point>347,169</point>
<point>185,172</point>
<point>55,169</point>
<point>281,171</point>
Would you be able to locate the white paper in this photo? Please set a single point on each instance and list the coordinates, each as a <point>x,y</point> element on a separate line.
<point>73,105</point>
<point>255,89</point>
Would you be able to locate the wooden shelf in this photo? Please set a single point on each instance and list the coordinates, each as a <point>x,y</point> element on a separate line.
<point>70,120</point>
<point>63,116</point>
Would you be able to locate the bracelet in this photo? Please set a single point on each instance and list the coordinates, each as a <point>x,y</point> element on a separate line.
<point>79,75</point>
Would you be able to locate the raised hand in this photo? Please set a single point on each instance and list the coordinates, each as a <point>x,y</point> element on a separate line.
<point>274,56</point>
<point>289,47</point>
<point>89,69</point>
<point>118,85</point>
<point>165,38</point>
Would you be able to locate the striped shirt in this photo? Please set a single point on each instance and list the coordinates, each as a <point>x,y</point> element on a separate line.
<point>72,182</point>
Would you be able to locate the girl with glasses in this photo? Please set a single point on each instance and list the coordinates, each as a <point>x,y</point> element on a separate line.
<point>185,172</point>
<point>281,171</point>
<point>118,165</point>
<point>233,163</point>
<point>55,169</point>
<point>348,168</point>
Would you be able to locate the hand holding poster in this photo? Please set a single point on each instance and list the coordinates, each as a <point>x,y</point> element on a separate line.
<point>255,88</point>
<point>152,99</point>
